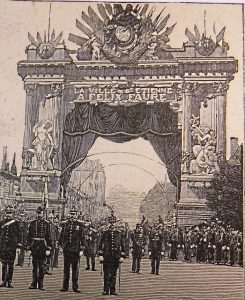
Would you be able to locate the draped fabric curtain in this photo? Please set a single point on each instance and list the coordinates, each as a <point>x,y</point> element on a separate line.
<point>156,123</point>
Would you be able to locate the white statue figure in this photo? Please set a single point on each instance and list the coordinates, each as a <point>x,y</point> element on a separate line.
<point>95,50</point>
<point>205,161</point>
<point>43,146</point>
<point>151,53</point>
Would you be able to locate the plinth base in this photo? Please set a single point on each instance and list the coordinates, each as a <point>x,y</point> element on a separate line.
<point>192,208</point>
<point>32,190</point>
<point>189,214</point>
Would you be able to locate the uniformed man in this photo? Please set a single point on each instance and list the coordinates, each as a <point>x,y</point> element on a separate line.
<point>173,241</point>
<point>24,230</point>
<point>187,245</point>
<point>201,242</point>
<point>218,244</point>
<point>54,239</point>
<point>138,247</point>
<point>127,235</point>
<point>111,254</point>
<point>239,249</point>
<point>10,244</point>
<point>40,244</point>
<point>90,251</point>
<point>56,249</point>
<point>156,249</point>
<point>72,241</point>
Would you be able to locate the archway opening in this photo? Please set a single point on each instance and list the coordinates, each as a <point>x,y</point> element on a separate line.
<point>133,172</point>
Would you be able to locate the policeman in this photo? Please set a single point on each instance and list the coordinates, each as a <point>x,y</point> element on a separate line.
<point>111,253</point>
<point>218,244</point>
<point>54,232</point>
<point>10,244</point>
<point>24,230</point>
<point>239,248</point>
<point>138,244</point>
<point>187,245</point>
<point>56,249</point>
<point>40,244</point>
<point>156,249</point>
<point>127,235</point>
<point>72,241</point>
<point>173,241</point>
<point>90,251</point>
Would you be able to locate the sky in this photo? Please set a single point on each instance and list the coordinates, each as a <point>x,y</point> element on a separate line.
<point>19,18</point>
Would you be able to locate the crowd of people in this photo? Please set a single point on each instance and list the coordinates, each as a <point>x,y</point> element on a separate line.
<point>42,240</point>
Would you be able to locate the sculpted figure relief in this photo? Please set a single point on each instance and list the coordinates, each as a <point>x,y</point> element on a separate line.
<point>43,146</point>
<point>204,150</point>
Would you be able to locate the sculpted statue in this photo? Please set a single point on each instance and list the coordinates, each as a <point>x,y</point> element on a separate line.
<point>43,150</point>
<point>204,150</point>
<point>96,50</point>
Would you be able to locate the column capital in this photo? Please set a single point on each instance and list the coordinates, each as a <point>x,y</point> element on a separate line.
<point>56,90</point>
<point>221,88</point>
<point>190,87</point>
<point>30,88</point>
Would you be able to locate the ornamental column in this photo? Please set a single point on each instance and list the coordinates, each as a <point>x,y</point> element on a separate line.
<point>220,102</point>
<point>187,101</point>
<point>30,116</point>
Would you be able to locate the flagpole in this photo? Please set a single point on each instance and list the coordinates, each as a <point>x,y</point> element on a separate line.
<point>205,23</point>
<point>45,196</point>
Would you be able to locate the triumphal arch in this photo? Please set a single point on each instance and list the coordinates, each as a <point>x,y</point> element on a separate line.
<point>124,81</point>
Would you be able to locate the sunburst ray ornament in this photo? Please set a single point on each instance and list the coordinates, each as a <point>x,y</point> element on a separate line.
<point>120,33</point>
<point>204,45</point>
<point>46,47</point>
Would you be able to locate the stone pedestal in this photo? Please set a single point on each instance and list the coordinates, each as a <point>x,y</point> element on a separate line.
<point>192,208</point>
<point>33,190</point>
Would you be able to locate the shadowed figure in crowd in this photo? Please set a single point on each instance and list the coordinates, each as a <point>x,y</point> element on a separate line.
<point>10,244</point>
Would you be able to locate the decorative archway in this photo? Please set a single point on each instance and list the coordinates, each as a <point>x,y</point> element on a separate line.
<point>125,81</point>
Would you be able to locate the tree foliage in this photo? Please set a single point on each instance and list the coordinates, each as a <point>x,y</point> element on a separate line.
<point>226,196</point>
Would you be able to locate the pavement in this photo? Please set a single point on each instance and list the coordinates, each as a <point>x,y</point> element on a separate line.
<point>177,281</point>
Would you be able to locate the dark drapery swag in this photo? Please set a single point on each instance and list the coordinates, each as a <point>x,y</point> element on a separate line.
<point>156,123</point>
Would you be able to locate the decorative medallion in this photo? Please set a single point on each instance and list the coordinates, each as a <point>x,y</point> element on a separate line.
<point>45,47</point>
<point>122,33</point>
<point>206,46</point>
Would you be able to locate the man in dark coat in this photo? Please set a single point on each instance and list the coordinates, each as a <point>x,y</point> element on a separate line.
<point>127,235</point>
<point>54,232</point>
<point>111,253</point>
<point>138,244</point>
<point>56,249</point>
<point>24,230</point>
<point>10,244</point>
<point>174,241</point>
<point>72,241</point>
<point>156,249</point>
<point>39,242</point>
<point>90,251</point>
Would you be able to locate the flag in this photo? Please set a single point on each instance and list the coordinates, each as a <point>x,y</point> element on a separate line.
<point>220,36</point>
<point>197,33</point>
<point>190,36</point>
<point>214,28</point>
